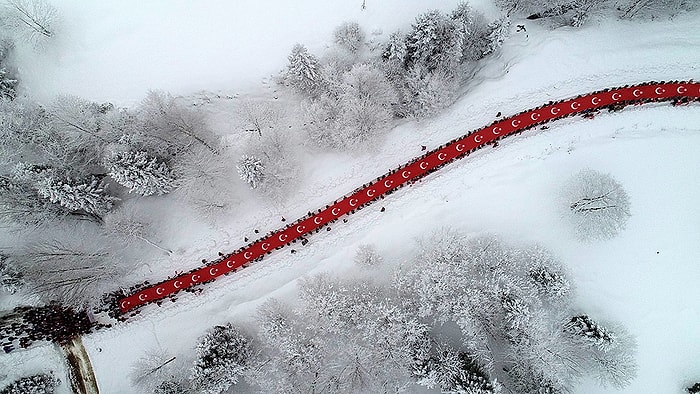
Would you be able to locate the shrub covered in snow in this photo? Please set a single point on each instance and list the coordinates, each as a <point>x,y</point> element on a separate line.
<point>596,205</point>
<point>35,384</point>
<point>349,36</point>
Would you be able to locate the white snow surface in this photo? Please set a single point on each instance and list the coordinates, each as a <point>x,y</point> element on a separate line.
<point>646,278</point>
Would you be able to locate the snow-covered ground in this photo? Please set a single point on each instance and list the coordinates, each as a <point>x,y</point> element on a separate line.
<point>645,278</point>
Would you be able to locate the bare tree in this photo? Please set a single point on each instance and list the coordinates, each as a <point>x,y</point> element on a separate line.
<point>155,367</point>
<point>596,205</point>
<point>260,115</point>
<point>74,275</point>
<point>204,183</point>
<point>32,20</point>
<point>167,125</point>
<point>126,225</point>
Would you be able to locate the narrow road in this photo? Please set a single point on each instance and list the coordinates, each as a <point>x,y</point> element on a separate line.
<point>82,377</point>
<point>613,99</point>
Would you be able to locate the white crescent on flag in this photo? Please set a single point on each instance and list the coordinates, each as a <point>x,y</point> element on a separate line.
<point>555,110</point>
<point>423,165</point>
<point>496,130</point>
<point>478,138</point>
<point>442,156</point>
<point>318,220</point>
<point>335,211</point>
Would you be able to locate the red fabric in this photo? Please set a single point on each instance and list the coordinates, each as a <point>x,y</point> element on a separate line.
<point>412,171</point>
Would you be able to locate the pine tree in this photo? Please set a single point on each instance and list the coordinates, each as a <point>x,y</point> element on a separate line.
<point>303,71</point>
<point>434,43</point>
<point>88,196</point>
<point>222,356</point>
<point>251,170</point>
<point>141,174</point>
<point>35,384</point>
<point>497,32</point>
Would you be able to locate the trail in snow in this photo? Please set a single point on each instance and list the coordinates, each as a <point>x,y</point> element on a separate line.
<point>614,99</point>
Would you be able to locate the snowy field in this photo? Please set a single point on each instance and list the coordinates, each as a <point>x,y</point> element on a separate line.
<point>646,278</point>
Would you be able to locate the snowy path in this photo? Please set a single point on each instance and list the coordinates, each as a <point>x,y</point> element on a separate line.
<point>460,147</point>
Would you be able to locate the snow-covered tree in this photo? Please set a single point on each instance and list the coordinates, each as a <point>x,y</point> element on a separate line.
<point>473,32</point>
<point>425,93</point>
<point>434,43</point>
<point>508,303</point>
<point>35,384</point>
<point>367,256</point>
<point>251,170</point>
<point>394,55</point>
<point>10,277</point>
<point>31,20</point>
<point>87,196</point>
<point>303,71</point>
<point>8,84</point>
<point>171,387</point>
<point>344,337</point>
<point>21,126</point>
<point>223,354</point>
<point>497,32</point>
<point>611,352</point>
<point>140,173</point>
<point>22,207</point>
<point>366,104</point>
<point>596,205</point>
<point>454,372</point>
<point>655,8</point>
<point>349,36</point>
